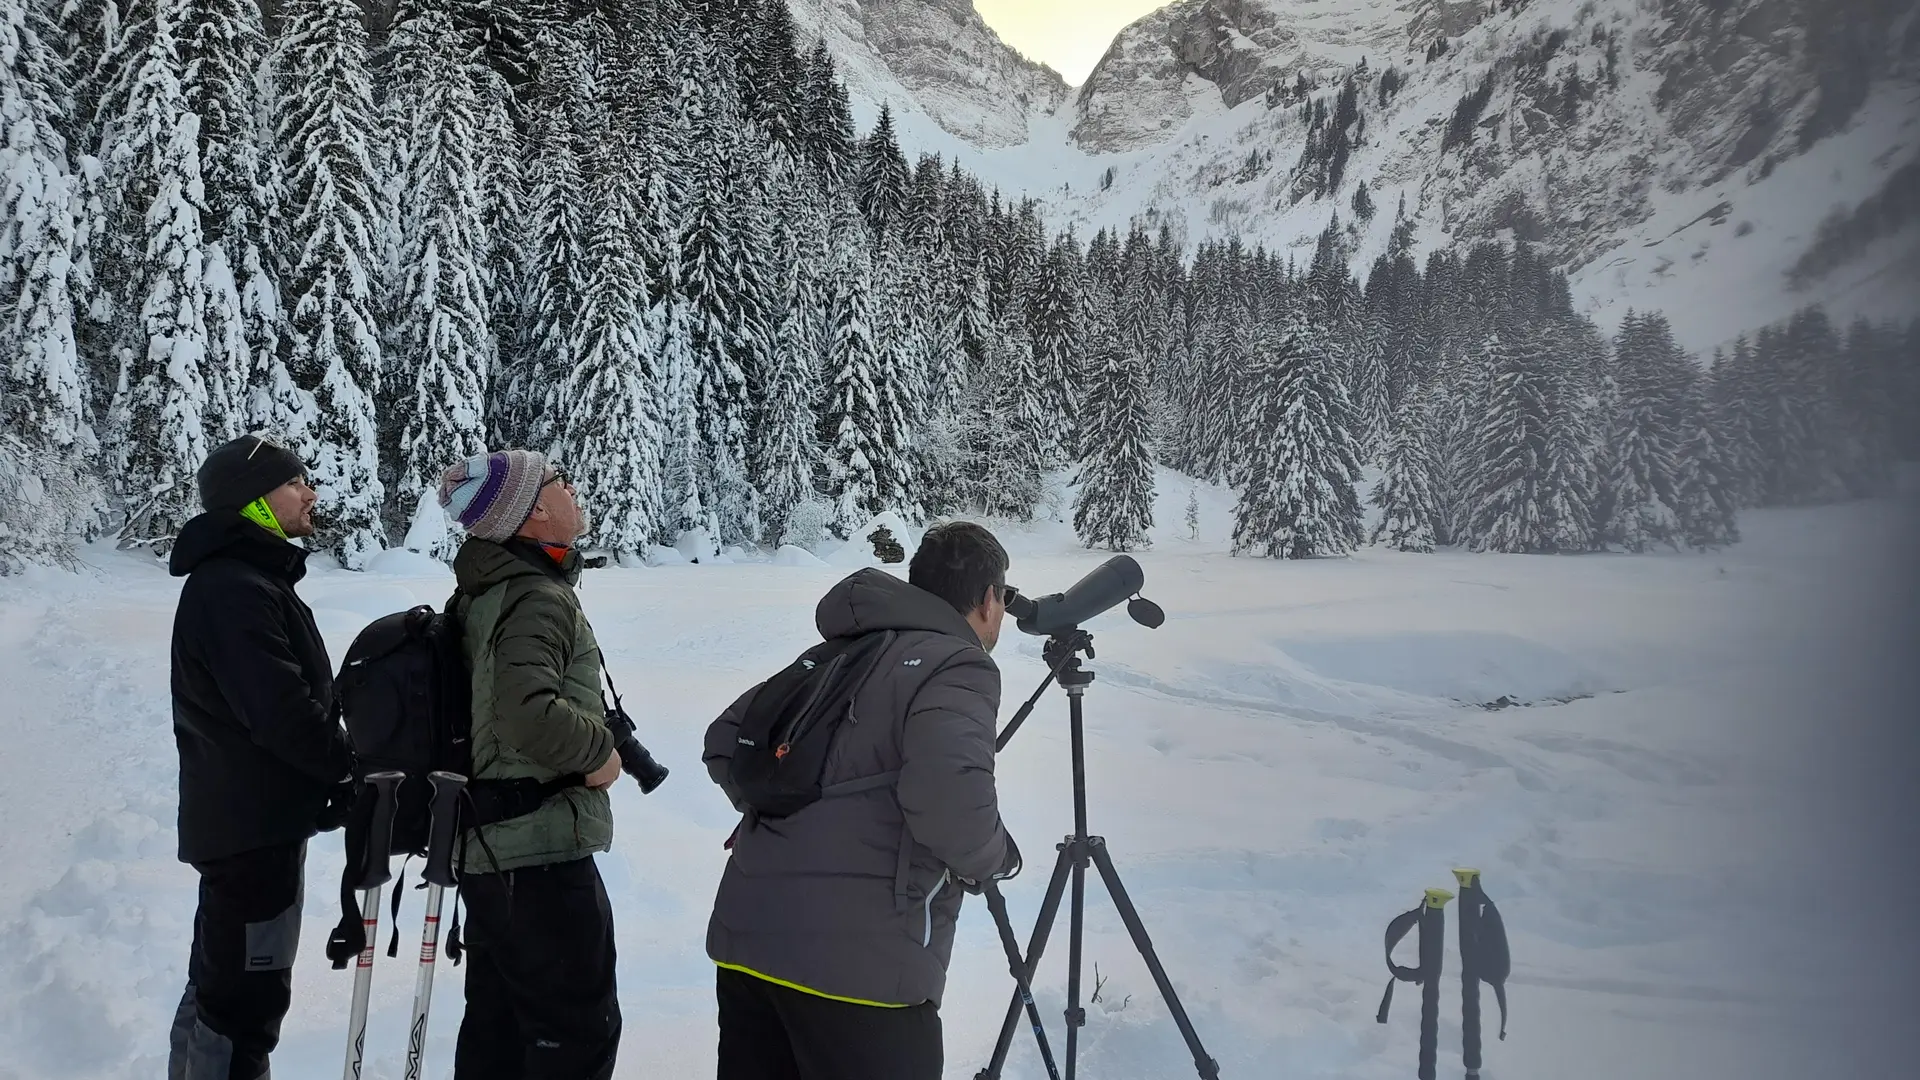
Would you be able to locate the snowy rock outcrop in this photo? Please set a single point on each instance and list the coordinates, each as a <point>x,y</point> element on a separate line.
<point>1160,69</point>
<point>940,56</point>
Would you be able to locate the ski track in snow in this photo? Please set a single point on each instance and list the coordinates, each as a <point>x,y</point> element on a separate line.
<point>1278,770</point>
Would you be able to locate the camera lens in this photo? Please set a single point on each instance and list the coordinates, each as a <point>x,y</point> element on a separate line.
<point>636,762</point>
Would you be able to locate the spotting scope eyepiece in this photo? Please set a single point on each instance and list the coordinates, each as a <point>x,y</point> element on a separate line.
<point>1111,582</point>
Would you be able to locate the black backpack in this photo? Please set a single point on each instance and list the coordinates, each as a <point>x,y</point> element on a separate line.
<point>406,697</point>
<point>781,747</point>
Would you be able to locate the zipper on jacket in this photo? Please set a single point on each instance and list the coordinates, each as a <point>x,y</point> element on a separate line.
<point>926,937</point>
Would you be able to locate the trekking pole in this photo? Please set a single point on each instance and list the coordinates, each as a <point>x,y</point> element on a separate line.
<point>1433,946</point>
<point>438,875</point>
<point>1431,918</point>
<point>1469,880</point>
<point>375,871</point>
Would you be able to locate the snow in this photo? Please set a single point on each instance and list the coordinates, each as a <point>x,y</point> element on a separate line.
<point>789,555</point>
<point>1685,816</point>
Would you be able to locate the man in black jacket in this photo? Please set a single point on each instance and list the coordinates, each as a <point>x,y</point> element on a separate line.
<point>263,763</point>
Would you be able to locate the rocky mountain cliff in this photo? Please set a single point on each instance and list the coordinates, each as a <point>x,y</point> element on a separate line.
<point>1191,51</point>
<point>938,56</point>
<point>1725,160</point>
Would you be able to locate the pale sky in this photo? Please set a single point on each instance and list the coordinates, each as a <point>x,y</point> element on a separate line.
<point>1069,36</point>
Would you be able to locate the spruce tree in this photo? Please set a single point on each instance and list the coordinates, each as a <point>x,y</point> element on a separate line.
<point>333,342</point>
<point>1057,347</point>
<point>44,436</point>
<point>1297,474</point>
<point>785,453</point>
<point>1114,506</point>
<point>552,284</point>
<point>225,52</point>
<point>863,418</point>
<point>1508,498</point>
<point>444,330</point>
<point>1404,492</point>
<point>883,178</point>
<point>1708,508</point>
<point>616,423</point>
<point>162,430</point>
<point>1568,487</point>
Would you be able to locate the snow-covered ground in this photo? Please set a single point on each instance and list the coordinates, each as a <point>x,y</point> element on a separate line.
<point>1692,826</point>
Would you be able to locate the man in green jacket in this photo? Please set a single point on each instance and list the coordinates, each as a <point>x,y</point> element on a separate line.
<point>540,996</point>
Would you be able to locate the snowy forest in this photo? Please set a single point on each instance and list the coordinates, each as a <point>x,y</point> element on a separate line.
<point>646,238</point>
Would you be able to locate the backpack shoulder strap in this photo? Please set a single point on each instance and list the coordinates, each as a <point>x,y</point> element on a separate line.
<point>1399,928</point>
<point>1492,961</point>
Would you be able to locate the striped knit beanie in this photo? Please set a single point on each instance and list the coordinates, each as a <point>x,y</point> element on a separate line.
<point>492,495</point>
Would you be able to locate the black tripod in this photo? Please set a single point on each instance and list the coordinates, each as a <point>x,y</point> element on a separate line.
<point>1062,654</point>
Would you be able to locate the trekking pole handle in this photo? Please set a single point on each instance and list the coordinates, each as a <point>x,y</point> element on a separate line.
<point>446,817</point>
<point>386,787</point>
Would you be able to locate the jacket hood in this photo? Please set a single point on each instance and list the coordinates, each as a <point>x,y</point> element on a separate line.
<point>873,599</point>
<point>482,564</point>
<point>225,532</point>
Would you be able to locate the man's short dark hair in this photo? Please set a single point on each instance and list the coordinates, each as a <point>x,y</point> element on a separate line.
<point>957,562</point>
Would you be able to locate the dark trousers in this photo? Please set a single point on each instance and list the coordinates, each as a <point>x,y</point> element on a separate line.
<point>240,972</point>
<point>540,990</point>
<point>769,1032</point>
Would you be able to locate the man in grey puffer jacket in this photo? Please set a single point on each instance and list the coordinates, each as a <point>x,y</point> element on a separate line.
<point>833,926</point>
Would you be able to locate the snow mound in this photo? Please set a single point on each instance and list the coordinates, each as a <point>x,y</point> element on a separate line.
<point>401,562</point>
<point>696,545</point>
<point>665,556</point>
<point>858,550</point>
<point>789,555</point>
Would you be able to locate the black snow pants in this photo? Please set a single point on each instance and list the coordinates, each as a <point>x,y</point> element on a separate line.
<point>541,1003</point>
<point>240,972</point>
<point>769,1032</point>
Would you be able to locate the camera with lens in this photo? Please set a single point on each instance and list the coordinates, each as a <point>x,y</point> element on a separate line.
<point>635,760</point>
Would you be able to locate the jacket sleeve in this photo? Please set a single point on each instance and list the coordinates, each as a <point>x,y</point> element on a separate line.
<point>718,754</point>
<point>250,656</point>
<point>531,710</point>
<point>946,786</point>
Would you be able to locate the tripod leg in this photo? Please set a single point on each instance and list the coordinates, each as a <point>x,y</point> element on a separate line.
<point>997,904</point>
<point>1035,946</point>
<point>1207,1067</point>
<point>1076,918</point>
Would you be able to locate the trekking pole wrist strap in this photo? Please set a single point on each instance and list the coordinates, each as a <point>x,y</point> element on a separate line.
<point>1399,928</point>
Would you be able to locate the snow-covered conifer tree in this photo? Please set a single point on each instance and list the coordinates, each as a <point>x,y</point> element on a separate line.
<point>1404,492</point>
<point>786,451</point>
<point>224,46</point>
<point>1114,506</point>
<point>615,426</point>
<point>552,285</point>
<point>333,341</point>
<point>864,415</point>
<point>1508,501</point>
<point>443,333</point>
<point>1708,510</point>
<point>44,437</point>
<point>884,178</point>
<point>160,428</point>
<point>1297,475</point>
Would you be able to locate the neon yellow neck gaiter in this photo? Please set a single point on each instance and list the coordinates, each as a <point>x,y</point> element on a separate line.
<point>261,514</point>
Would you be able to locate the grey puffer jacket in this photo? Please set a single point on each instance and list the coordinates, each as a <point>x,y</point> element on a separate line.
<point>854,897</point>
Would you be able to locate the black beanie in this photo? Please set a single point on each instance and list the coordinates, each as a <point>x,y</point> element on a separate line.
<point>244,470</point>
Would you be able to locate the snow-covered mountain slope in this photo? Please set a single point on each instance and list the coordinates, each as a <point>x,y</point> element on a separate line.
<point>1679,154</point>
<point>938,58</point>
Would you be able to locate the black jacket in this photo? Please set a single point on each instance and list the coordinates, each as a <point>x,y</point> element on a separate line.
<point>260,750</point>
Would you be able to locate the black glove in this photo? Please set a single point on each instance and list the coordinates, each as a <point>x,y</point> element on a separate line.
<point>339,806</point>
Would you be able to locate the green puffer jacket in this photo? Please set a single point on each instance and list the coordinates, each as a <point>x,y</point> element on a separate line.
<point>537,709</point>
